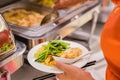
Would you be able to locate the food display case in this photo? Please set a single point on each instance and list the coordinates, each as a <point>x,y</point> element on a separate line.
<point>11,51</point>
<point>62,24</point>
<point>68,20</point>
<point>24,15</point>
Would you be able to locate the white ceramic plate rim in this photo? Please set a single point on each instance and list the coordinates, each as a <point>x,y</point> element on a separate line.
<point>51,69</point>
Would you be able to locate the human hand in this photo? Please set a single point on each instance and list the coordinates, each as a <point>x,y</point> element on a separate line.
<point>63,4</point>
<point>72,72</point>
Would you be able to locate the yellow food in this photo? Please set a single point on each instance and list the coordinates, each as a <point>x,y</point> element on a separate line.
<point>23,17</point>
<point>72,53</point>
<point>48,3</point>
<point>39,51</point>
<point>49,61</point>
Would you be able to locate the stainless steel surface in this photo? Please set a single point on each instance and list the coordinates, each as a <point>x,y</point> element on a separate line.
<point>33,42</point>
<point>27,6</point>
<point>70,20</point>
<point>49,17</point>
<point>81,17</point>
<point>77,22</point>
<point>94,22</point>
<point>58,23</point>
<point>14,61</point>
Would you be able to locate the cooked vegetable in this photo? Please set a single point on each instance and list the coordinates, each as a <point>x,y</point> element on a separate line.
<point>52,48</point>
<point>6,47</point>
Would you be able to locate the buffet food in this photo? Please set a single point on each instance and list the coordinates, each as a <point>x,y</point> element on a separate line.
<point>48,3</point>
<point>22,17</point>
<point>56,48</point>
<point>5,42</point>
<point>6,39</point>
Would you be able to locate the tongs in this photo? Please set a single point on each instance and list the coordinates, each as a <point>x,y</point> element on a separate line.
<point>53,75</point>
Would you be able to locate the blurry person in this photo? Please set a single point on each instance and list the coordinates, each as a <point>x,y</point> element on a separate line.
<point>110,44</point>
<point>63,4</point>
<point>72,72</point>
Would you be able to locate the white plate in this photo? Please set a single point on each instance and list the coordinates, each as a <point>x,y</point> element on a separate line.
<point>51,69</point>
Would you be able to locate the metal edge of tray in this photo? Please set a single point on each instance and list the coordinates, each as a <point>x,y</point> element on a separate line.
<point>75,24</point>
<point>56,25</point>
<point>21,47</point>
<point>29,6</point>
<point>35,35</point>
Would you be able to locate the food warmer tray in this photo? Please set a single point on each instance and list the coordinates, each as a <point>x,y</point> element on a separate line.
<point>61,21</point>
<point>16,58</point>
<point>27,6</point>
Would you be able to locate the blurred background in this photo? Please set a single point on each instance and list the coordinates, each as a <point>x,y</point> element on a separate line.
<point>82,24</point>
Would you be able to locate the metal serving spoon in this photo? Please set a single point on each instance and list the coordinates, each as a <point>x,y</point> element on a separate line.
<point>50,17</point>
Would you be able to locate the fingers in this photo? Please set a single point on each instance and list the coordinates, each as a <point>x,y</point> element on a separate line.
<point>70,71</point>
<point>67,68</point>
<point>62,66</point>
<point>89,75</point>
<point>60,76</point>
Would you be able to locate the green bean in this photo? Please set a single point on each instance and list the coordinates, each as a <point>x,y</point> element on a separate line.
<point>52,48</point>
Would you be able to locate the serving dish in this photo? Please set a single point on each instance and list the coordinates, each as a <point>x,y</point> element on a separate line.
<point>51,68</point>
<point>7,42</point>
<point>28,7</point>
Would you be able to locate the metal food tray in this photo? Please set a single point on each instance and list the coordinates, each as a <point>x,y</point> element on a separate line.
<point>14,61</point>
<point>27,6</point>
<point>61,21</point>
<point>20,50</point>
